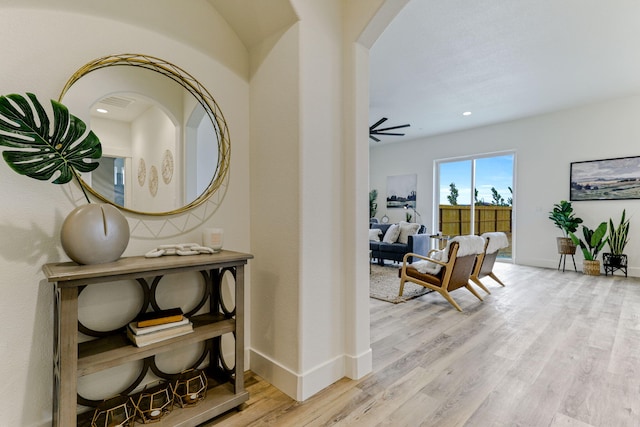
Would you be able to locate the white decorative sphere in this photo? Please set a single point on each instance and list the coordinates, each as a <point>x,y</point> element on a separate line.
<point>94,233</point>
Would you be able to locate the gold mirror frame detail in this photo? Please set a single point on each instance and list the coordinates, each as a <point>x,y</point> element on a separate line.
<point>188,82</point>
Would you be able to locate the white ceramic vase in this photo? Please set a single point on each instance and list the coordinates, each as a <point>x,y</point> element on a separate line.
<point>94,233</point>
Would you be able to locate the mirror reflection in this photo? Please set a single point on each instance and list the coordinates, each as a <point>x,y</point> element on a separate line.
<point>163,151</point>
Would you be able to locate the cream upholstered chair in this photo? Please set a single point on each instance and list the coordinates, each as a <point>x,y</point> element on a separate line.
<point>485,261</point>
<point>444,271</point>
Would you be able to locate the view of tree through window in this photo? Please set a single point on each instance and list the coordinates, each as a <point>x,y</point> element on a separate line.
<point>476,196</point>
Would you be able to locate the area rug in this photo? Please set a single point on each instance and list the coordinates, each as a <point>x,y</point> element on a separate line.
<point>384,284</point>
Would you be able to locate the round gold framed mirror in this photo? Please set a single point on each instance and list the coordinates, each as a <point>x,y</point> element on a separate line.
<point>150,115</point>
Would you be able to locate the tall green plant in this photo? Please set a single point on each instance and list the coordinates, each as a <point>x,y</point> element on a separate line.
<point>373,205</point>
<point>42,149</point>
<point>563,217</point>
<point>618,236</point>
<point>594,241</point>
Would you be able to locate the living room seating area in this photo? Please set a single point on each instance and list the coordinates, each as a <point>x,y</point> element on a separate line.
<point>393,241</point>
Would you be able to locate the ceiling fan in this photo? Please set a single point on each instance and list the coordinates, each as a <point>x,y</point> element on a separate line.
<point>373,130</point>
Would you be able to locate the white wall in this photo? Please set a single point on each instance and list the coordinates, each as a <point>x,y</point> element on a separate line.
<point>115,137</point>
<point>545,146</point>
<point>321,160</point>
<point>152,133</point>
<point>275,206</point>
<point>41,49</point>
<point>310,319</point>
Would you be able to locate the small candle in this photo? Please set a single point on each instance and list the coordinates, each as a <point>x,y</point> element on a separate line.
<point>118,420</point>
<point>155,413</point>
<point>190,398</point>
<point>213,238</point>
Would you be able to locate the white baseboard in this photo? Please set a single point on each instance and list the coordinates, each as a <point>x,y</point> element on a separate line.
<point>302,386</point>
<point>357,367</point>
<point>274,373</point>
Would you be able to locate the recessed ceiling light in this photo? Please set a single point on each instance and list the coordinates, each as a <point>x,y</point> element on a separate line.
<point>466,113</point>
<point>101,110</point>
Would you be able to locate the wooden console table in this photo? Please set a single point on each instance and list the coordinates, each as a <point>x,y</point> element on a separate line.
<point>111,348</point>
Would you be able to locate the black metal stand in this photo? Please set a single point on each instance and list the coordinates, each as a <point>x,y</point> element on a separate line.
<point>563,260</point>
<point>612,263</point>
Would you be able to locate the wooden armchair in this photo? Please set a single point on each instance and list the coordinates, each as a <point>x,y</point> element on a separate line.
<point>454,271</point>
<point>485,261</point>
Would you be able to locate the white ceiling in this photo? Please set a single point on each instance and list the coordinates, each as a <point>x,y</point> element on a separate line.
<point>254,21</point>
<point>501,60</point>
<point>124,107</point>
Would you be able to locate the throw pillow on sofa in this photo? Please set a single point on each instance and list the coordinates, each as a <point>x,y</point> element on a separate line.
<point>407,229</point>
<point>391,236</point>
<point>374,234</point>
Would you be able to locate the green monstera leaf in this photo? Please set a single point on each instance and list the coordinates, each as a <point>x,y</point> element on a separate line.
<point>44,150</point>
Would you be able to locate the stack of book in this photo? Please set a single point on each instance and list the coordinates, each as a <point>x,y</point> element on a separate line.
<point>158,326</point>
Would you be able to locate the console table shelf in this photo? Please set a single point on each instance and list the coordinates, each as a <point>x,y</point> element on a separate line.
<point>114,350</point>
<point>219,399</point>
<point>73,359</point>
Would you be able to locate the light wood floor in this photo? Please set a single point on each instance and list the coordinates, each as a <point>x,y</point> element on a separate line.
<point>550,349</point>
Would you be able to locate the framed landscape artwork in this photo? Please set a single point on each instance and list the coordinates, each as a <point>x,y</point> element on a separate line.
<point>608,179</point>
<point>401,190</point>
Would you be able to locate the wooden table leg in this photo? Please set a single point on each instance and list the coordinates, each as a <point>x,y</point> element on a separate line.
<point>65,357</point>
<point>239,380</point>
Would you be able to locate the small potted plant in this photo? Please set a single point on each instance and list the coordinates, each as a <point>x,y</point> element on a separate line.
<point>591,245</point>
<point>564,218</point>
<point>618,238</point>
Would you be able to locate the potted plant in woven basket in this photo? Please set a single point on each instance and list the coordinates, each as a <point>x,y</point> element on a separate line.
<point>591,245</point>
<point>564,218</point>
<point>618,238</point>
